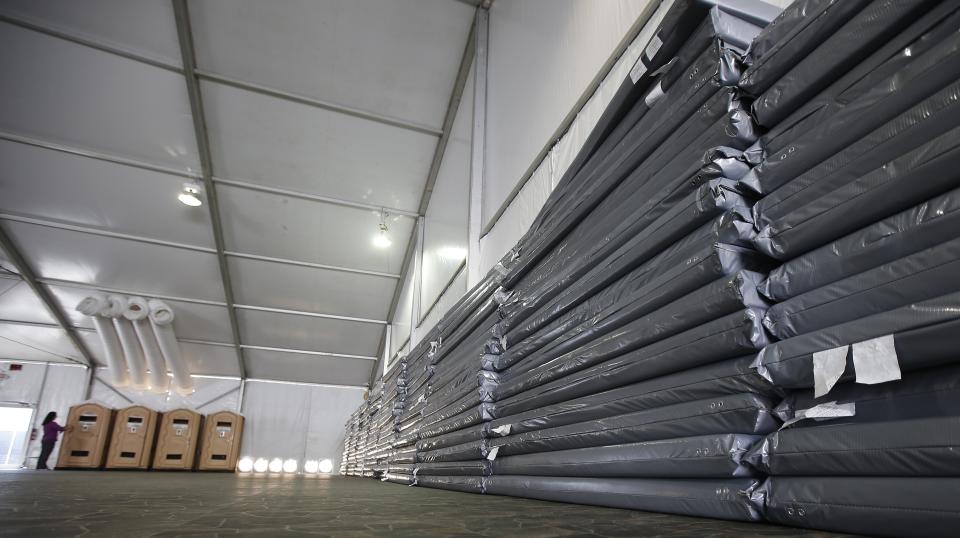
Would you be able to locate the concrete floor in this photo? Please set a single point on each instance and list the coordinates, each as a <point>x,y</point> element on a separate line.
<point>131,504</point>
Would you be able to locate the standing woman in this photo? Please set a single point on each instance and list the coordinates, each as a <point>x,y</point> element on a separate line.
<point>50,432</point>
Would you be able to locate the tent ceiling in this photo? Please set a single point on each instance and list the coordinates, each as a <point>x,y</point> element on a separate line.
<point>320,116</point>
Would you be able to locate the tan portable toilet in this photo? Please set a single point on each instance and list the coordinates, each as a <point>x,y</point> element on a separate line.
<point>220,444</point>
<point>134,433</point>
<point>177,440</point>
<point>84,444</point>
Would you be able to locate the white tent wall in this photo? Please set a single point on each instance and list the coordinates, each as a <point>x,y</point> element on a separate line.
<point>543,54</point>
<point>296,421</point>
<point>45,387</point>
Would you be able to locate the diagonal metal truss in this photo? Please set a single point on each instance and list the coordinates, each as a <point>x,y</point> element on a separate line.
<point>28,276</point>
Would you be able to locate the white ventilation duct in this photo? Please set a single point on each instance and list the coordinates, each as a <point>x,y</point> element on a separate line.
<point>161,319</point>
<point>114,309</point>
<point>92,306</point>
<point>137,312</point>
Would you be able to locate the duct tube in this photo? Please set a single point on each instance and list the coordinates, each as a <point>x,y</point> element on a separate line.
<point>161,319</point>
<point>132,351</point>
<point>137,312</point>
<point>113,309</point>
<point>92,306</point>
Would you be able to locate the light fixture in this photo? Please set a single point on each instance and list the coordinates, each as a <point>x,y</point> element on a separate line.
<point>276,465</point>
<point>290,466</point>
<point>260,465</point>
<point>311,466</point>
<point>325,466</point>
<point>381,240</point>
<point>190,195</point>
<point>245,465</point>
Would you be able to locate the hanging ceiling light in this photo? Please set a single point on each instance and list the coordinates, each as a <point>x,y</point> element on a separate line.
<point>381,240</point>
<point>325,466</point>
<point>190,195</point>
<point>290,466</point>
<point>311,466</point>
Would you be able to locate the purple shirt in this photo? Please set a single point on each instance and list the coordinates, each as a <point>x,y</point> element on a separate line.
<point>50,431</point>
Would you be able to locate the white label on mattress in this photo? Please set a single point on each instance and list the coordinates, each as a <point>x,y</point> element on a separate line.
<point>876,361</point>
<point>492,455</point>
<point>653,47</point>
<point>638,70</point>
<point>828,410</point>
<point>502,430</point>
<point>828,366</point>
<point>654,95</point>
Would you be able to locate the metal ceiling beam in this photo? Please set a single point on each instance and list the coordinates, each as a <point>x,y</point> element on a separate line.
<point>105,289</point>
<point>284,261</point>
<point>228,81</point>
<point>108,289</point>
<point>452,106</point>
<point>181,340</point>
<point>309,314</point>
<point>314,197</point>
<point>317,103</point>
<point>188,55</point>
<point>91,44</point>
<point>90,154</point>
<point>42,293</point>
<point>308,352</point>
<point>47,223</point>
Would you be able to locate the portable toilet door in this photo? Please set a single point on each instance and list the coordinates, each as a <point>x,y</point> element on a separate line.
<point>220,445</point>
<point>84,444</point>
<point>131,444</point>
<point>178,440</point>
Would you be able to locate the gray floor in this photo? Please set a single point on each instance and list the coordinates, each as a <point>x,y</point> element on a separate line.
<point>130,504</point>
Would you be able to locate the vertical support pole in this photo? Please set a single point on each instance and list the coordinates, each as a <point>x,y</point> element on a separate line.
<point>478,150</point>
<point>417,282</point>
<point>387,343</point>
<point>243,392</point>
<point>91,375</point>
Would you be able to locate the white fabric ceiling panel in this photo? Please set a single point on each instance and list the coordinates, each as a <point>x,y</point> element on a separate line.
<point>210,360</point>
<point>19,303</point>
<point>445,226</point>
<point>297,229</point>
<point>143,27</point>
<point>309,333</point>
<point>543,55</point>
<point>285,144</point>
<point>88,192</point>
<point>68,93</point>
<point>192,320</point>
<point>25,342</point>
<point>395,58</point>
<point>263,364</point>
<point>118,263</point>
<point>294,287</point>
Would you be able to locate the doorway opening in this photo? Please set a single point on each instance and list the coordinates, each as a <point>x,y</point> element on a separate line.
<point>14,435</point>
